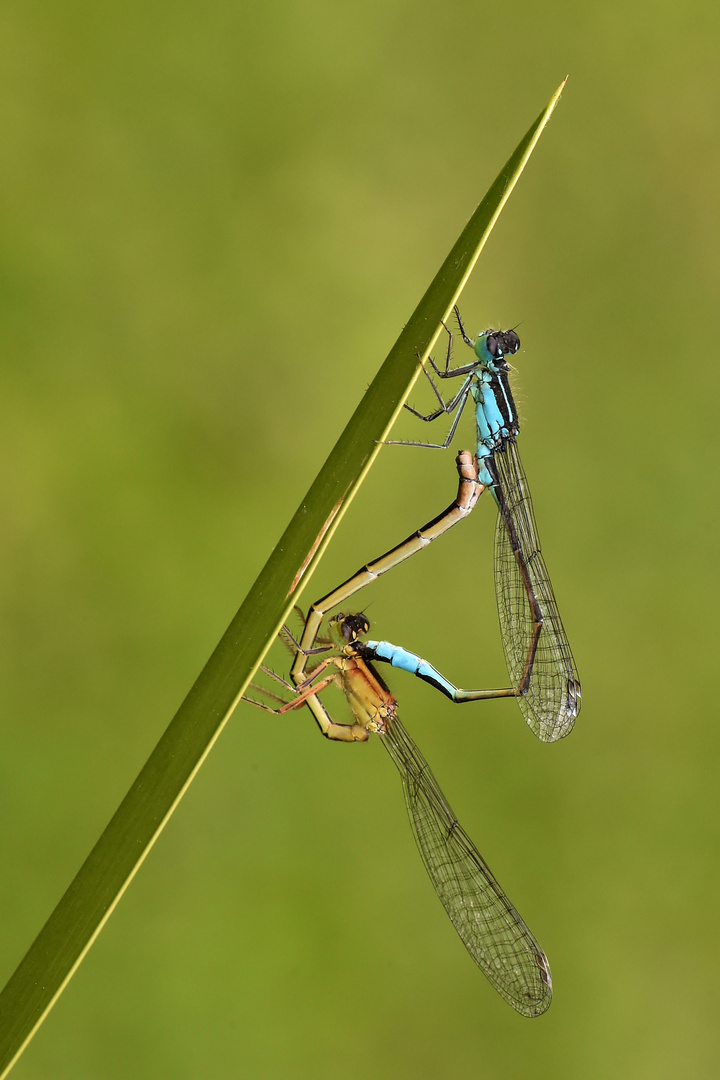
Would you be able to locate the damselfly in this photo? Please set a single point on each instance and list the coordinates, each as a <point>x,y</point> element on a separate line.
<point>488,924</point>
<point>538,657</point>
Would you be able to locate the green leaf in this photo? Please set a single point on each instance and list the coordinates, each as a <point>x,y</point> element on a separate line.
<point>81,913</point>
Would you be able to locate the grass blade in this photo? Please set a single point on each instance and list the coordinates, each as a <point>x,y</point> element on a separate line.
<point>81,913</point>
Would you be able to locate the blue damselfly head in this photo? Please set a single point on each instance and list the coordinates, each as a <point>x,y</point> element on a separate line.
<point>493,345</point>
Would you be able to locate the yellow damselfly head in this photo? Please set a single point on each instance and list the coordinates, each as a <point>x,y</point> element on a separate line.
<point>350,627</point>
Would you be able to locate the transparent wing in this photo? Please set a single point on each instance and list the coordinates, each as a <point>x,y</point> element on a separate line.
<point>488,924</point>
<point>552,700</point>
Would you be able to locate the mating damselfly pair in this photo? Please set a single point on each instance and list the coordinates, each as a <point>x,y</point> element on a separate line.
<point>540,665</point>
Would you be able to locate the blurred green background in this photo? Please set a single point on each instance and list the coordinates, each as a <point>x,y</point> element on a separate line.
<point>215,220</point>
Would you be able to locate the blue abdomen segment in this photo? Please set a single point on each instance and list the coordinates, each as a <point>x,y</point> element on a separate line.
<point>407,661</point>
